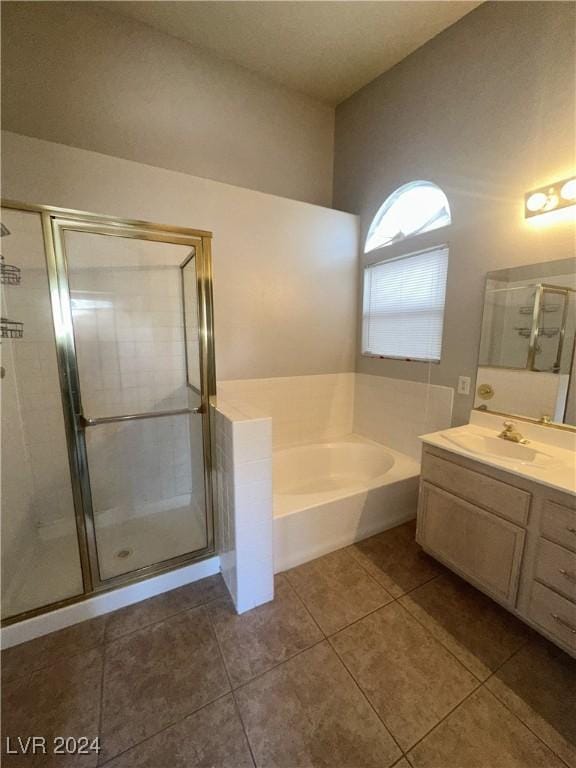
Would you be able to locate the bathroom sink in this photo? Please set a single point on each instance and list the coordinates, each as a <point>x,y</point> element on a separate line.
<point>504,450</point>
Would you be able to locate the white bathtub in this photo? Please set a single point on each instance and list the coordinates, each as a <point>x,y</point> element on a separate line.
<point>328,495</point>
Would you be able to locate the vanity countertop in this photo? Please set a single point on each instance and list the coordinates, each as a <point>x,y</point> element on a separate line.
<point>551,465</point>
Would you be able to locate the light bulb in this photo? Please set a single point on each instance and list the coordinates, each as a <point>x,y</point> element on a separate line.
<point>568,191</point>
<point>537,201</point>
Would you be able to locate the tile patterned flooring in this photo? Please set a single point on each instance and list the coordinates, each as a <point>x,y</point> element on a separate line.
<point>370,657</point>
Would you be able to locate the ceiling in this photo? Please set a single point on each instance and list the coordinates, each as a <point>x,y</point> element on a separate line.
<point>327,50</point>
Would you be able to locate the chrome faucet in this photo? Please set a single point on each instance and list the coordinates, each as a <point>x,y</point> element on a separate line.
<point>511,433</point>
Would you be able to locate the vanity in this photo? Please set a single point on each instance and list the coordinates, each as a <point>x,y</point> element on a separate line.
<point>498,495</point>
<point>503,517</point>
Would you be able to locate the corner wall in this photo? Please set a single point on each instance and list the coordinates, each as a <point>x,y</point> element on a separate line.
<point>487,111</point>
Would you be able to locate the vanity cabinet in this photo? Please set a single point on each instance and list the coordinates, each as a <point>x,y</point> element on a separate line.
<point>512,538</point>
<point>483,547</point>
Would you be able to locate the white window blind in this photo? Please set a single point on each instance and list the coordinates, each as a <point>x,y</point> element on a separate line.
<point>404,306</point>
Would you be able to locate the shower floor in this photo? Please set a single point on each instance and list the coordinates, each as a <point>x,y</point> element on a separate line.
<point>126,541</point>
<point>152,533</point>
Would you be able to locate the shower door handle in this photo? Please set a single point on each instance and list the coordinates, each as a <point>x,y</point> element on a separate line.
<point>84,422</point>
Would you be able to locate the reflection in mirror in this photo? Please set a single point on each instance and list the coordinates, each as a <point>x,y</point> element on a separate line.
<point>526,361</point>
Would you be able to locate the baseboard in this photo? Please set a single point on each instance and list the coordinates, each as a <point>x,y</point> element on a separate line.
<point>28,629</point>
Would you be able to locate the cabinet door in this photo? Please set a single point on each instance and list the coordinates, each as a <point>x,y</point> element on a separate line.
<point>481,546</point>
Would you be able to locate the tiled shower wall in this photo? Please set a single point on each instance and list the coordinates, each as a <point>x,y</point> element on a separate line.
<point>308,409</point>
<point>129,329</point>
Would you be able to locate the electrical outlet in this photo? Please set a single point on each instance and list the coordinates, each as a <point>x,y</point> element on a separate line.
<point>463,385</point>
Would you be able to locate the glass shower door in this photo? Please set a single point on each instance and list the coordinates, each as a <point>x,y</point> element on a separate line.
<point>40,552</point>
<point>140,426</point>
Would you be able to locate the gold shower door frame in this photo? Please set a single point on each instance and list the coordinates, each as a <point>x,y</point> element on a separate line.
<point>55,223</point>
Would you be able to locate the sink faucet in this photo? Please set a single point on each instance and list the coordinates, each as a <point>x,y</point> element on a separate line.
<point>511,433</point>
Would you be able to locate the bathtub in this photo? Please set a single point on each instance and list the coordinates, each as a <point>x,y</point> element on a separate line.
<point>328,495</point>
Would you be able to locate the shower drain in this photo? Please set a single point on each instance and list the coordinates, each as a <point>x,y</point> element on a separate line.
<point>123,553</point>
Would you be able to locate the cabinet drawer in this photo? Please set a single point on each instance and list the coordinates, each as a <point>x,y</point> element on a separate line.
<point>558,523</point>
<point>556,567</point>
<point>479,545</point>
<point>554,614</point>
<point>506,500</point>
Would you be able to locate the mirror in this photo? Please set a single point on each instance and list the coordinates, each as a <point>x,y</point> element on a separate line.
<point>526,361</point>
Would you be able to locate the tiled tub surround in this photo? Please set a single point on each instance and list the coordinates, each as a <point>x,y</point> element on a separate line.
<point>363,655</point>
<point>325,407</point>
<point>326,430</point>
<point>243,501</point>
<point>304,409</point>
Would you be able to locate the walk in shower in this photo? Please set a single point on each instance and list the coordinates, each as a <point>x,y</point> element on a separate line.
<point>107,371</point>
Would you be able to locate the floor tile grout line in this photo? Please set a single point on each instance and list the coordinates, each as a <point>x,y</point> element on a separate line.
<point>179,719</point>
<point>274,666</point>
<point>441,642</point>
<point>509,658</point>
<point>243,726</point>
<point>308,611</point>
<point>57,660</point>
<point>407,592</point>
<point>375,610</point>
<point>367,699</point>
<point>158,621</point>
<point>444,717</point>
<point>360,618</point>
<point>165,728</point>
<point>526,725</point>
<point>232,690</point>
<point>517,717</point>
<point>428,631</point>
<point>350,550</point>
<point>104,641</point>
<point>279,664</point>
<point>101,712</point>
<point>475,690</point>
<point>390,595</point>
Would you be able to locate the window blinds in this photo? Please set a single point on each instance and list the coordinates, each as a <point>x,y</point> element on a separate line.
<point>404,306</point>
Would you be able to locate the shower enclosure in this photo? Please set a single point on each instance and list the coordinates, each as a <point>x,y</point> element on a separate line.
<point>106,451</point>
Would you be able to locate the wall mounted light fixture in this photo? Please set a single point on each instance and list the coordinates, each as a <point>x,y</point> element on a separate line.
<point>552,197</point>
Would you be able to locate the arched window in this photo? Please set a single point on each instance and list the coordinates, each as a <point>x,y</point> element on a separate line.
<point>416,207</point>
<point>405,293</point>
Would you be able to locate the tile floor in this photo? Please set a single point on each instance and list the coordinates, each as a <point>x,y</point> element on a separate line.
<point>373,656</point>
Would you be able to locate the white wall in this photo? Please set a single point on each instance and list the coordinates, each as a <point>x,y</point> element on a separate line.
<point>80,75</point>
<point>285,276</point>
